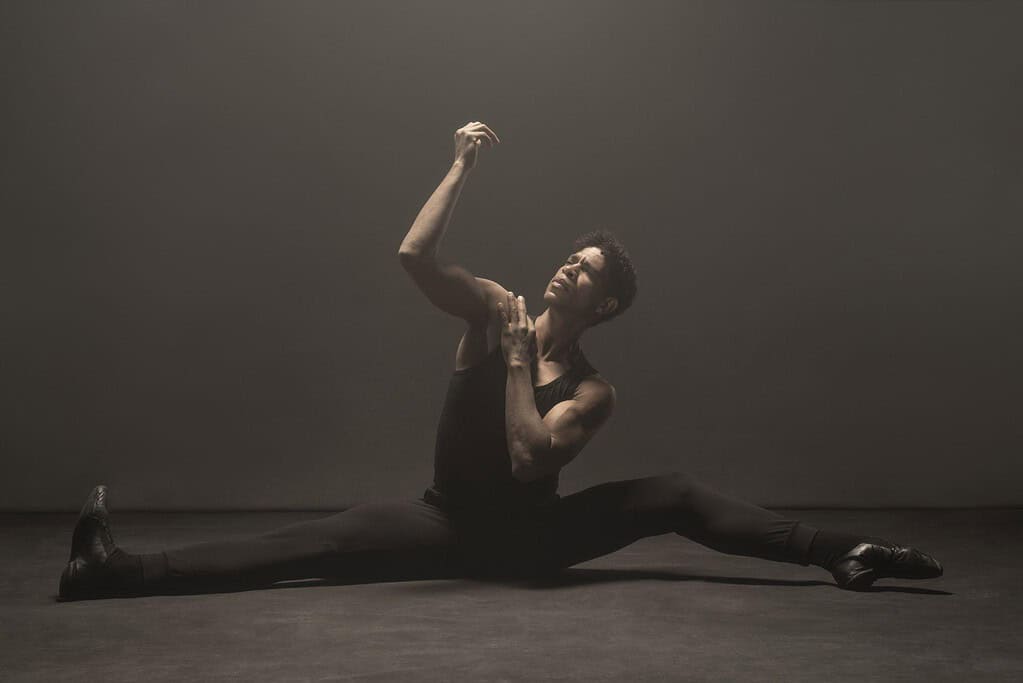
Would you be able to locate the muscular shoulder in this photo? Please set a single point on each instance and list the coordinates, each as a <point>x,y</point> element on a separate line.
<point>596,395</point>
<point>573,423</point>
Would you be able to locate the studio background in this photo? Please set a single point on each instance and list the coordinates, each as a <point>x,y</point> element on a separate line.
<point>202,205</point>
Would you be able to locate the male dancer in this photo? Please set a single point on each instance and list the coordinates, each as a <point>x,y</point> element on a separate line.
<point>522,403</point>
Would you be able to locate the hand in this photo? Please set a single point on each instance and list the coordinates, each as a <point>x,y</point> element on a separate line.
<point>469,138</point>
<point>517,332</point>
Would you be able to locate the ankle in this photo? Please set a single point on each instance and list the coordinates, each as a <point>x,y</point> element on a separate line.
<point>125,569</point>
<point>155,568</point>
<point>829,546</point>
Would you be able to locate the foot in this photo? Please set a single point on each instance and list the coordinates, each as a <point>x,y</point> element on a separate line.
<point>92,544</point>
<point>867,562</point>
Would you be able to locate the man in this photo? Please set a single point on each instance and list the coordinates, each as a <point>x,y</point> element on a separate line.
<point>522,403</point>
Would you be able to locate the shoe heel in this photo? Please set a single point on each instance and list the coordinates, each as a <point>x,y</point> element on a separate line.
<point>861,581</point>
<point>853,575</point>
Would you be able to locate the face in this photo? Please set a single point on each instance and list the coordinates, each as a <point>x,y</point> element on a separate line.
<point>579,284</point>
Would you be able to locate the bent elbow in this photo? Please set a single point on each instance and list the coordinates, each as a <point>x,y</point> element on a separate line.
<point>410,259</point>
<point>524,472</point>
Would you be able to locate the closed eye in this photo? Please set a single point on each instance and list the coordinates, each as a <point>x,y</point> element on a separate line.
<point>586,266</point>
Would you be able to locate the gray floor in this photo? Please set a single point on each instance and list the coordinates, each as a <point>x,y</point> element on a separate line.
<point>662,609</point>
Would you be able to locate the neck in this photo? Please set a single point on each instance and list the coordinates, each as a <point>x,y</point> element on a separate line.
<point>556,335</point>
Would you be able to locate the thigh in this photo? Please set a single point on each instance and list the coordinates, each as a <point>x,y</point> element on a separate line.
<point>385,539</point>
<point>604,518</point>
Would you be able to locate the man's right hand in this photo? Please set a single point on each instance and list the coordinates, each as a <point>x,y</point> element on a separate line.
<point>469,138</point>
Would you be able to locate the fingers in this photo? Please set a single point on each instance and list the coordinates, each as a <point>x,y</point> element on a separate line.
<point>486,129</point>
<point>479,136</point>
<point>513,309</point>
<point>476,128</point>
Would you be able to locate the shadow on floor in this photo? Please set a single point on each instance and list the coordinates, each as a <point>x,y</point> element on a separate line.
<point>585,576</point>
<point>575,576</point>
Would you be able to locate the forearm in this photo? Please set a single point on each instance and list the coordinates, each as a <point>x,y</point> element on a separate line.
<point>527,435</point>
<point>424,237</point>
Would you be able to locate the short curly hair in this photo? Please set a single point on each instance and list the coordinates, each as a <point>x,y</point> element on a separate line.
<point>620,273</point>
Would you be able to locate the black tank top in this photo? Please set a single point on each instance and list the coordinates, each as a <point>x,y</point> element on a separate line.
<point>472,467</point>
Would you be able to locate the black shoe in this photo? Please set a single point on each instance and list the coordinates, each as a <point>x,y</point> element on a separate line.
<point>92,544</point>
<point>867,562</point>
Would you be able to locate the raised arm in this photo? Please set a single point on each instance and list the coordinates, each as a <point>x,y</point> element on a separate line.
<point>449,286</point>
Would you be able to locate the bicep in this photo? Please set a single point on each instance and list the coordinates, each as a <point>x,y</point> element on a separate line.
<point>573,423</point>
<point>451,288</point>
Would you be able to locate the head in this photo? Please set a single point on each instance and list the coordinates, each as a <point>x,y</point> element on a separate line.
<point>597,280</point>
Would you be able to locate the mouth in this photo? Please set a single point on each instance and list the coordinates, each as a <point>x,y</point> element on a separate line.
<point>559,282</point>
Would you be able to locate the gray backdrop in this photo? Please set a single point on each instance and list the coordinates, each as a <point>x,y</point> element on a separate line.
<point>202,206</point>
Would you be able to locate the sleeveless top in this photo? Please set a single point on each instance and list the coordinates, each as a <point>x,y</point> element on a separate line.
<point>472,468</point>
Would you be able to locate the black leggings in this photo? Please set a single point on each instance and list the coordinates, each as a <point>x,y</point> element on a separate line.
<point>410,539</point>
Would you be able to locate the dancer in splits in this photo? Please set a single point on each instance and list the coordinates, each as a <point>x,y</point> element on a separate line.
<point>522,402</point>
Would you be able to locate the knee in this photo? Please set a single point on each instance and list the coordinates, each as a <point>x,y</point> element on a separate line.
<point>663,503</point>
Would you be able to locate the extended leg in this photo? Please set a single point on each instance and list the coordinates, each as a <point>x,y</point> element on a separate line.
<point>385,540</point>
<point>604,518</point>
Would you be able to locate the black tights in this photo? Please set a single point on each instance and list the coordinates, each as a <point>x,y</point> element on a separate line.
<point>410,539</point>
